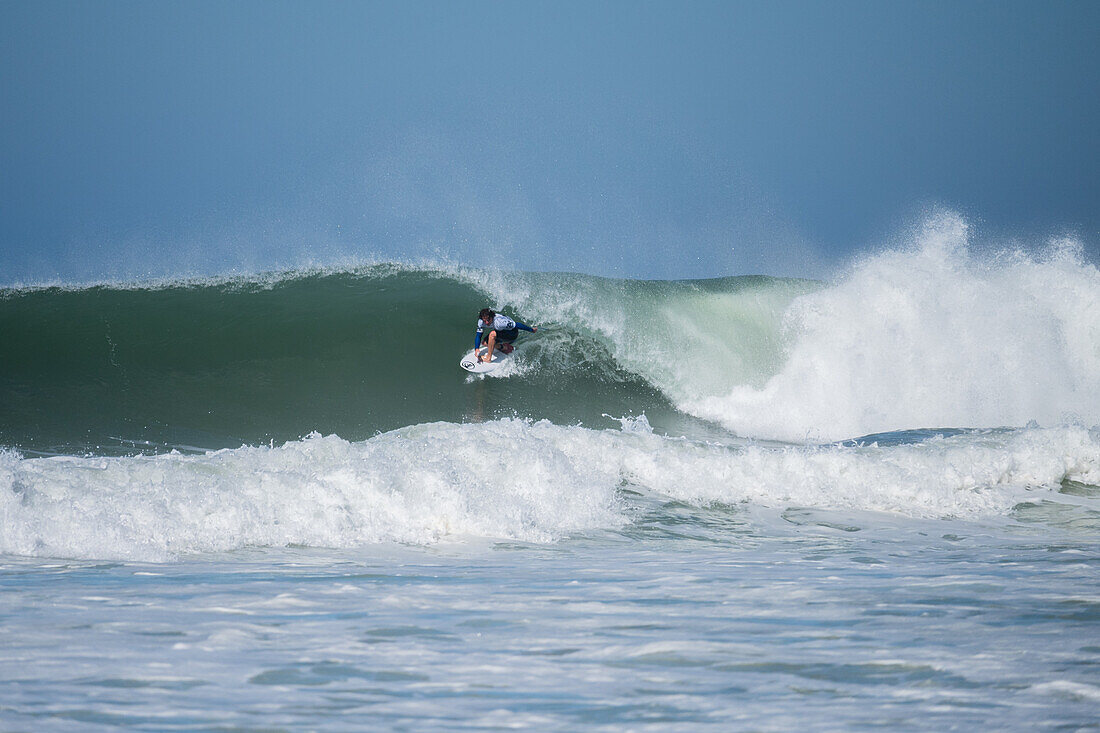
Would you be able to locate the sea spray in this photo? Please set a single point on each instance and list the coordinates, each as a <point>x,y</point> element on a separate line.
<point>932,336</point>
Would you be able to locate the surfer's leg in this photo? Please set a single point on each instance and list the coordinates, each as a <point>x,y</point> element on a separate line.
<point>490,345</point>
<point>505,339</point>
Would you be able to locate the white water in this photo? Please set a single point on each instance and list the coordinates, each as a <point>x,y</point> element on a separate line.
<point>509,479</point>
<point>692,619</point>
<point>933,337</point>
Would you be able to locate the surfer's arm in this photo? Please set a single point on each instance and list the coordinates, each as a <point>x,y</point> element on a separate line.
<point>525,327</point>
<point>477,335</point>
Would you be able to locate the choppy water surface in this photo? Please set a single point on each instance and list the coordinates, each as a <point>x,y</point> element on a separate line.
<point>708,619</point>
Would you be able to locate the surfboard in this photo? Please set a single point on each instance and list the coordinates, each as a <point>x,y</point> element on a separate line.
<point>471,364</point>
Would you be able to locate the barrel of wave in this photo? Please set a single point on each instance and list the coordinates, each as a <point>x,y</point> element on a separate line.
<point>691,339</point>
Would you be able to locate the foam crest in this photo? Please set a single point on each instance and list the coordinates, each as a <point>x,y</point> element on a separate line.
<point>932,336</point>
<point>414,485</point>
<point>967,476</point>
<point>508,479</point>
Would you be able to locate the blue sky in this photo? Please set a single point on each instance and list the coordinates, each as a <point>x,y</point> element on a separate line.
<point>622,138</point>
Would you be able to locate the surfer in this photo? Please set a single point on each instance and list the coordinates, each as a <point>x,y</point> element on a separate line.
<point>503,331</point>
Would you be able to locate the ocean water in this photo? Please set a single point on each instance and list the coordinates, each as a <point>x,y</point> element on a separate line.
<point>274,502</point>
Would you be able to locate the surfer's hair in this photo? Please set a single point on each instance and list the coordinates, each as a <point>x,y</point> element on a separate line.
<point>486,314</point>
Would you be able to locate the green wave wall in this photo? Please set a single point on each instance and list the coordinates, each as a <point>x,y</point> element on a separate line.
<point>108,369</point>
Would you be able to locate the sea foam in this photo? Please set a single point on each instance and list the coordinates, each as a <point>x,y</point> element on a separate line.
<point>508,479</point>
<point>932,336</point>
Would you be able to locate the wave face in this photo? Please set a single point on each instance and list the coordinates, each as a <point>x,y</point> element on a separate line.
<point>217,364</point>
<point>928,336</point>
<point>515,479</point>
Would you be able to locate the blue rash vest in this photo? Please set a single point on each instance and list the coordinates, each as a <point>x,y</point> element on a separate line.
<point>500,323</point>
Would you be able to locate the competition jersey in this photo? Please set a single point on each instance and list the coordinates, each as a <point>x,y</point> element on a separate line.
<point>500,323</point>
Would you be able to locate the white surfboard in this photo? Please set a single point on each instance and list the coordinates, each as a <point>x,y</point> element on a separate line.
<point>471,363</point>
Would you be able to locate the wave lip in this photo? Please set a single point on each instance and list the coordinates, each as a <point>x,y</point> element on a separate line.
<point>509,479</point>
